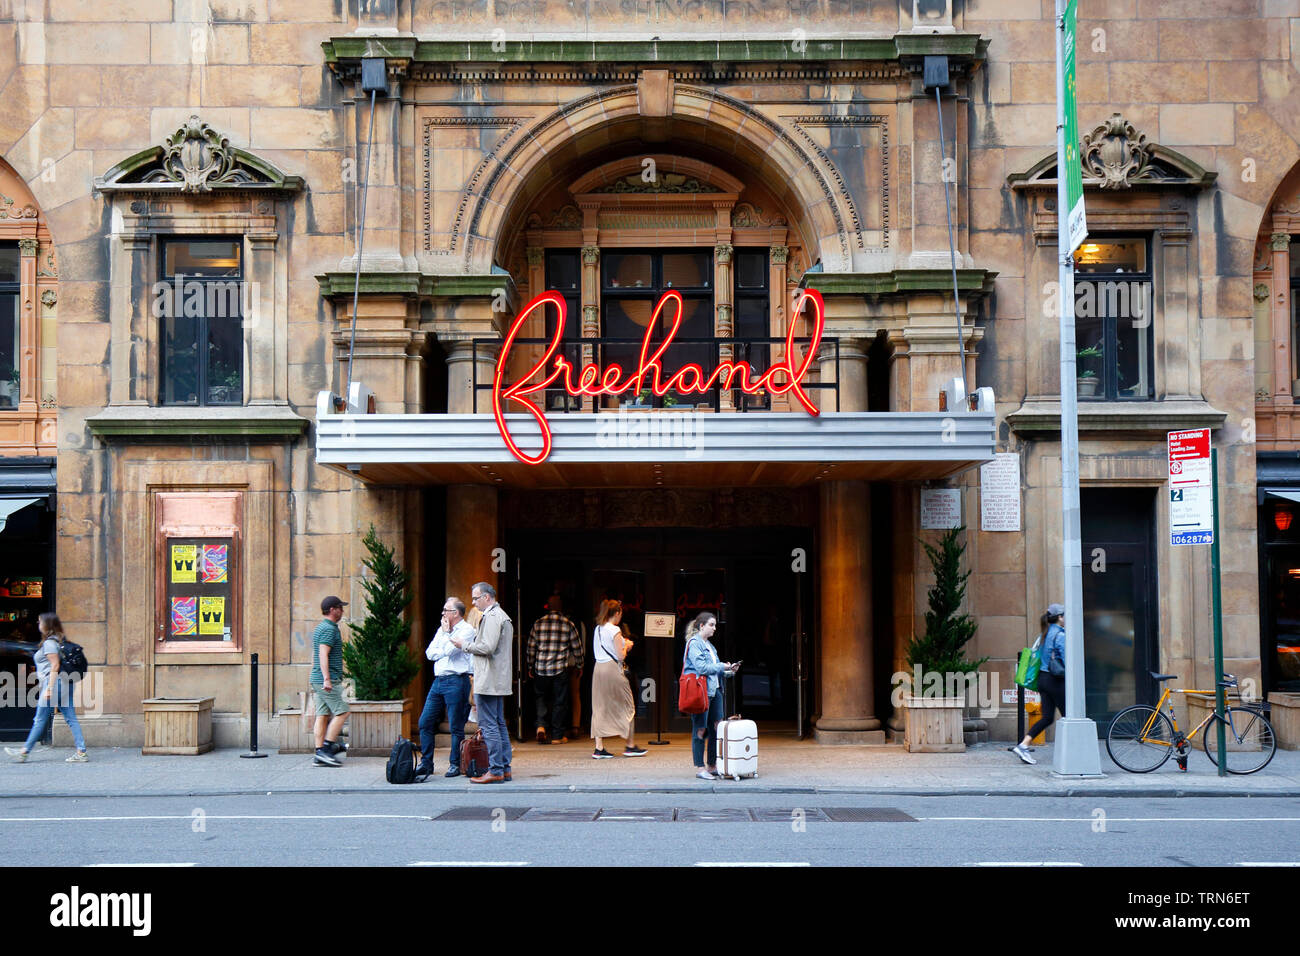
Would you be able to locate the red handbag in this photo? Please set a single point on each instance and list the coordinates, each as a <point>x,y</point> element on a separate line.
<point>692,691</point>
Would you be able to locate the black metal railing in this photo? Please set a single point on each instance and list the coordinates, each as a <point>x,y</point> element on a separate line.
<point>705,352</point>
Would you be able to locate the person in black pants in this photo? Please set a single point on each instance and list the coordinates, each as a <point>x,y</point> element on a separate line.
<point>1051,679</point>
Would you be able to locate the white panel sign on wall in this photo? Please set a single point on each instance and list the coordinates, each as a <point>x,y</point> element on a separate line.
<point>940,508</point>
<point>1000,493</point>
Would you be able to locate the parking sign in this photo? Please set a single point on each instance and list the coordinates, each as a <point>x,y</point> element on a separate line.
<point>1191,495</point>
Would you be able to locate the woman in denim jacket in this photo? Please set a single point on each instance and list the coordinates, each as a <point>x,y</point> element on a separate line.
<point>702,659</point>
<point>1051,686</point>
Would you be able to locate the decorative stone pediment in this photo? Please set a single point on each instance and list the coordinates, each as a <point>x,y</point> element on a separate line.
<point>196,159</point>
<point>1116,155</point>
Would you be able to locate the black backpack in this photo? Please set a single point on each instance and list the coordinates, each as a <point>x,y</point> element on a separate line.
<point>401,762</point>
<point>72,660</point>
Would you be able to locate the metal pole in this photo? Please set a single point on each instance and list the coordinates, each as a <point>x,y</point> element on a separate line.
<point>1220,692</point>
<point>1075,752</point>
<point>252,711</point>
<point>952,249</point>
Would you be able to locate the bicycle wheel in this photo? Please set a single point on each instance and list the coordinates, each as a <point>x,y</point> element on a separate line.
<point>1140,739</point>
<point>1250,741</point>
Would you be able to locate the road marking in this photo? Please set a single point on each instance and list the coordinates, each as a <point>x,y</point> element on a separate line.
<point>721,863</point>
<point>1110,819</point>
<point>1026,863</point>
<point>1280,863</point>
<point>138,864</point>
<point>218,816</point>
<point>468,863</point>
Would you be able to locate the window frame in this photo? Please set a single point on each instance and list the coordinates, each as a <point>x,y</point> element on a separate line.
<point>15,289</point>
<point>210,515</point>
<point>1110,391</point>
<point>178,282</point>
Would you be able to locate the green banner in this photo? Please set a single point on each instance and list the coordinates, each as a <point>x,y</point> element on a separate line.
<point>1075,221</point>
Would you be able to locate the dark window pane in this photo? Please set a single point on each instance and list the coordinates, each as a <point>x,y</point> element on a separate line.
<point>202,257</point>
<point>225,362</point>
<point>8,350</point>
<point>697,323</point>
<point>751,323</point>
<point>627,271</point>
<point>1133,358</point>
<point>563,273</point>
<point>751,270</point>
<point>181,360</point>
<point>1112,255</point>
<point>688,270</point>
<point>9,264</point>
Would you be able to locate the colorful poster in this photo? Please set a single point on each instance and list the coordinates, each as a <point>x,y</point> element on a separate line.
<point>183,558</point>
<point>212,615</point>
<point>185,613</point>
<point>212,563</point>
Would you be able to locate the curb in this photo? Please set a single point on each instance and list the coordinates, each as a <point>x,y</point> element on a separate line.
<point>1098,792</point>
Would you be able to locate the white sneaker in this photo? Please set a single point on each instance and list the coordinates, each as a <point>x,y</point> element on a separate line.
<point>705,775</point>
<point>79,756</point>
<point>1023,754</point>
<point>16,753</point>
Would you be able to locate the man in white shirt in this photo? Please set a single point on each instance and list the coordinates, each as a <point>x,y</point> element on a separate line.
<point>449,694</point>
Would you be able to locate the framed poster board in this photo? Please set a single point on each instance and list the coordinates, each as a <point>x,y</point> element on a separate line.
<point>198,558</point>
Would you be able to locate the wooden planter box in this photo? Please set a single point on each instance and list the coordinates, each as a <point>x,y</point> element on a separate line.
<point>1285,718</point>
<point>178,725</point>
<point>933,725</point>
<point>375,724</point>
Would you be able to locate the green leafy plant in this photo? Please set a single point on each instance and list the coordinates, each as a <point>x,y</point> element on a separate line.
<point>669,401</point>
<point>377,658</point>
<point>947,630</point>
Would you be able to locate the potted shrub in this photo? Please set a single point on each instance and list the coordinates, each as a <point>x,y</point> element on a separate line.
<point>933,713</point>
<point>377,659</point>
<point>1087,380</point>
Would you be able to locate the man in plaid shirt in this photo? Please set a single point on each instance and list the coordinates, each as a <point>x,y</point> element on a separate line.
<point>554,644</point>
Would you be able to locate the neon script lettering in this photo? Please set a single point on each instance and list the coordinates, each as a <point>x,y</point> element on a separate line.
<point>591,380</point>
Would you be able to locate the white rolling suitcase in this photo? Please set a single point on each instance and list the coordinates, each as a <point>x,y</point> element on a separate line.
<point>737,744</point>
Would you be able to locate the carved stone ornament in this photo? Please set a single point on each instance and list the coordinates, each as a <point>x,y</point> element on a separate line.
<point>780,254</point>
<point>536,255</point>
<point>566,217</point>
<point>663,183</point>
<point>48,298</point>
<point>590,255</point>
<point>11,210</point>
<point>723,251</point>
<point>28,247</point>
<point>1280,241</point>
<point>1261,292</point>
<point>1117,154</point>
<point>196,159</point>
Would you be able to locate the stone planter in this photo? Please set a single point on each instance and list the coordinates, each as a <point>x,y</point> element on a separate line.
<point>1285,717</point>
<point>933,725</point>
<point>177,725</point>
<point>1087,387</point>
<point>375,724</point>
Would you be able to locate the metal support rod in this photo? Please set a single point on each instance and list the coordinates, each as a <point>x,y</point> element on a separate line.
<point>1220,692</point>
<point>361,239</point>
<point>952,245</point>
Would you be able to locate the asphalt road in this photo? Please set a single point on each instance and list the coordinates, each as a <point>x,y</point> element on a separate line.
<point>402,828</point>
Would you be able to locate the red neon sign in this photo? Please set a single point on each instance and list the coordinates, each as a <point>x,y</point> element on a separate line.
<point>612,381</point>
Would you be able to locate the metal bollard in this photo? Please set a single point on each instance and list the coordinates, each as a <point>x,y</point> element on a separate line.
<point>252,712</point>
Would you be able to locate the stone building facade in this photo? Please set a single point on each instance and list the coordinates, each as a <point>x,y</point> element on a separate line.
<point>160,152</point>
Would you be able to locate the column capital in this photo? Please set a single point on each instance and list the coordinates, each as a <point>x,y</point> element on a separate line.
<point>536,255</point>
<point>723,251</point>
<point>590,255</point>
<point>780,254</point>
<point>1280,241</point>
<point>28,247</point>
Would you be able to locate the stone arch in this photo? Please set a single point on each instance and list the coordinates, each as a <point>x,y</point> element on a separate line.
<point>28,412</point>
<point>807,185</point>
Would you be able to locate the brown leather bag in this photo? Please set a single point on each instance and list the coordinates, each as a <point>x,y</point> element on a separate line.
<point>474,756</point>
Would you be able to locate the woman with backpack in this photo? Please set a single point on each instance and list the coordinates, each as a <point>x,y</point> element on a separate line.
<point>55,692</point>
<point>701,658</point>
<point>1051,679</point>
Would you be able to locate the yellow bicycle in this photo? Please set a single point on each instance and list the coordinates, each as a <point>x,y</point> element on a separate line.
<point>1142,738</point>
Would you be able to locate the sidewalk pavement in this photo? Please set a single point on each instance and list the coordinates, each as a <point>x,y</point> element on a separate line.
<point>786,765</point>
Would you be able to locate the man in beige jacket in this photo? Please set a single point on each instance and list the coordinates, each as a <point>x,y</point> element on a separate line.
<point>490,650</point>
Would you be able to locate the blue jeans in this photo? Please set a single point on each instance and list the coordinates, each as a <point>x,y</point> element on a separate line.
<point>492,721</point>
<point>61,700</point>
<point>448,696</point>
<point>708,722</point>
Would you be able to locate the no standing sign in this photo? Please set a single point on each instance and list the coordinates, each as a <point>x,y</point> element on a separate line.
<point>1191,495</point>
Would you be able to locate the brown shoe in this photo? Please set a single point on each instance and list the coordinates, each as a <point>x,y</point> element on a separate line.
<point>559,740</point>
<point>507,774</point>
<point>488,778</point>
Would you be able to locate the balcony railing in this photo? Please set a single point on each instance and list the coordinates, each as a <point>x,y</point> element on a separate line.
<point>705,352</point>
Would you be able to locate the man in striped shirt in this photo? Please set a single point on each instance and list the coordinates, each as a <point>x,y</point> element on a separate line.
<point>554,645</point>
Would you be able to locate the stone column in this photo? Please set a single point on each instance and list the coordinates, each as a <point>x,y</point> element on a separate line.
<point>29,373</point>
<point>461,374</point>
<point>266,368</point>
<point>1281,306</point>
<point>382,251</point>
<point>851,375</point>
<point>590,303</point>
<point>472,535</point>
<point>723,321</point>
<point>388,350</point>
<point>134,330</point>
<point>845,665</point>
